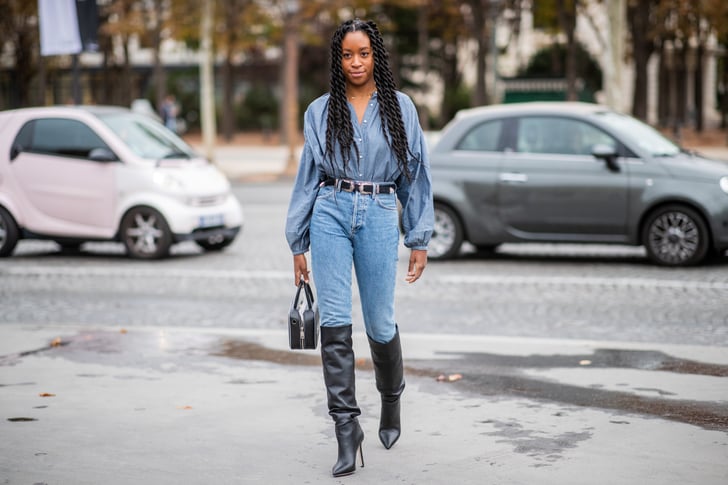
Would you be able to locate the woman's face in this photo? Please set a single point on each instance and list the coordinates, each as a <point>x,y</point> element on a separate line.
<point>357,60</point>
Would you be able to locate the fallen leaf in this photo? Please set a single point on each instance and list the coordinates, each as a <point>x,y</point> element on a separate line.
<point>184,407</point>
<point>449,378</point>
<point>123,330</point>
<point>56,342</point>
<point>46,394</point>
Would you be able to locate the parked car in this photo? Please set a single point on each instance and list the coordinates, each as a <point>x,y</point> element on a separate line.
<point>76,174</point>
<point>577,173</point>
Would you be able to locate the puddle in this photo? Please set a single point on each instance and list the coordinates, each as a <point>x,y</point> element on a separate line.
<point>492,374</point>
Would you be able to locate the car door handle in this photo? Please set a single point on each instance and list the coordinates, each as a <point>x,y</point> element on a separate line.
<point>514,177</point>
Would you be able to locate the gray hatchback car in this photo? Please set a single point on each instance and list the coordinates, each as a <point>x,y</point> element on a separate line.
<point>577,173</point>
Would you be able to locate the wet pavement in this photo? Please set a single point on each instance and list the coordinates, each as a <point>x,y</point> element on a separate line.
<point>85,406</point>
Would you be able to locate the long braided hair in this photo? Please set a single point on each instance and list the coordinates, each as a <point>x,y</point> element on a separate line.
<point>338,124</point>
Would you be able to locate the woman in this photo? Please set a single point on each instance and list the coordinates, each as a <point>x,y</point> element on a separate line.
<point>363,149</point>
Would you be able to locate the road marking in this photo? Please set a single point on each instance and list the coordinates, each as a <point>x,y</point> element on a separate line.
<point>452,279</point>
<point>582,281</point>
<point>146,272</point>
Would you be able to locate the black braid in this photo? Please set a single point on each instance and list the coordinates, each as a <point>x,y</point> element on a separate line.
<point>338,124</point>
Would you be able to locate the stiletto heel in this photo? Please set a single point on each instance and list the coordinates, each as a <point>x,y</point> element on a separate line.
<point>361,455</point>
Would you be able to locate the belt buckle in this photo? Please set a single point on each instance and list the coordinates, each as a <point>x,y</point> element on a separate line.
<point>363,189</point>
<point>350,186</point>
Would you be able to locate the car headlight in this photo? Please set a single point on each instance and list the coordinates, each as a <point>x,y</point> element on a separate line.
<point>724,184</point>
<point>168,181</point>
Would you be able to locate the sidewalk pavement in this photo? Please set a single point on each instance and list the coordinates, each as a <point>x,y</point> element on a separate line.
<point>263,163</point>
<point>219,406</point>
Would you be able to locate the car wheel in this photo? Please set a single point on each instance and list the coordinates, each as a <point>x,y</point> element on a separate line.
<point>676,236</point>
<point>8,233</point>
<point>447,234</point>
<point>145,233</point>
<point>215,243</point>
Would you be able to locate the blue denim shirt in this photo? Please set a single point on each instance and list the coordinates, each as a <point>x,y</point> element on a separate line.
<point>377,163</point>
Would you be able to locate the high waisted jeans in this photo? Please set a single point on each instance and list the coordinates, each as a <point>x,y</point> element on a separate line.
<point>349,228</point>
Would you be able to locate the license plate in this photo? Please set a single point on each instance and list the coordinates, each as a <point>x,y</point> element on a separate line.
<point>212,220</point>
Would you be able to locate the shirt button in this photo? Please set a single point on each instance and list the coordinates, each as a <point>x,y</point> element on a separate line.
<point>364,121</point>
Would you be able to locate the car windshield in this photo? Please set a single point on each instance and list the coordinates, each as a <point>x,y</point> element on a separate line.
<point>147,138</point>
<point>642,134</point>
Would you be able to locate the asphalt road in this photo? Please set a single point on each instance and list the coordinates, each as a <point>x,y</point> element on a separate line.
<point>546,291</point>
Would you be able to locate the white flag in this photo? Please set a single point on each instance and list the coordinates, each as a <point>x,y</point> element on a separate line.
<point>58,27</point>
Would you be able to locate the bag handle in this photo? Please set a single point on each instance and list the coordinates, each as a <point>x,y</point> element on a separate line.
<point>307,291</point>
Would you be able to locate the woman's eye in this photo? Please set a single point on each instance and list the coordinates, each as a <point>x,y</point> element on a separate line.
<point>364,54</point>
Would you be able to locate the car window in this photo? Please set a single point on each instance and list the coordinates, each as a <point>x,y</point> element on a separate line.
<point>147,138</point>
<point>483,138</point>
<point>558,135</point>
<point>644,135</point>
<point>58,136</point>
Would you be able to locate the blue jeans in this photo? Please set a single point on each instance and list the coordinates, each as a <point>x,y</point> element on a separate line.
<point>349,228</point>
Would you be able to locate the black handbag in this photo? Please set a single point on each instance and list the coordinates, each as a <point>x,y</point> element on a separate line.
<point>303,319</point>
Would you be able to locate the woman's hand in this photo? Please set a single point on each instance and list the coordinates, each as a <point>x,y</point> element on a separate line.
<point>417,263</point>
<point>300,268</point>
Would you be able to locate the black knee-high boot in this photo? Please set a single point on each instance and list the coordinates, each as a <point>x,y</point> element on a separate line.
<point>389,374</point>
<point>337,356</point>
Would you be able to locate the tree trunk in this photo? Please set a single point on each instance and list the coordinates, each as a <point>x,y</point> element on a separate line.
<point>480,32</point>
<point>642,50</point>
<point>228,107</point>
<point>423,41</point>
<point>290,89</point>
<point>451,81</point>
<point>663,102</point>
<point>160,90</point>
<point>698,88</point>
<point>126,75</point>
<point>567,20</point>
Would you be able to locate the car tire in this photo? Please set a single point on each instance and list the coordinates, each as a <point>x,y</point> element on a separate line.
<point>215,245</point>
<point>9,233</point>
<point>145,233</point>
<point>675,235</point>
<point>447,234</point>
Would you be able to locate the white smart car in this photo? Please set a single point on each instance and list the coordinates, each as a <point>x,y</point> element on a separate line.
<point>77,174</point>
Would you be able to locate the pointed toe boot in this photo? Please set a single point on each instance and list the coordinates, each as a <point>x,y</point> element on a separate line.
<point>337,356</point>
<point>389,375</point>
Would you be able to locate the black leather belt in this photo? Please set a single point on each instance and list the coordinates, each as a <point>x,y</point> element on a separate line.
<point>361,187</point>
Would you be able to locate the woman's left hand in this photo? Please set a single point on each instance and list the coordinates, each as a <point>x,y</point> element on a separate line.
<point>417,263</point>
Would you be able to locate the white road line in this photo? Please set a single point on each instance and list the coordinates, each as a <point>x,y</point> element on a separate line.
<point>453,279</point>
<point>148,272</point>
<point>583,281</point>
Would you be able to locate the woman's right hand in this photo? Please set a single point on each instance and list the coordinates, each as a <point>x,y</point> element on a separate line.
<point>300,268</point>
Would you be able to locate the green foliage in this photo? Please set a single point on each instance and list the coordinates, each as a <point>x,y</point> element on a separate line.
<point>542,65</point>
<point>259,109</point>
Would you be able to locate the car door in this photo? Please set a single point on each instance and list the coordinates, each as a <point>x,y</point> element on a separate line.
<point>552,188</point>
<point>63,191</point>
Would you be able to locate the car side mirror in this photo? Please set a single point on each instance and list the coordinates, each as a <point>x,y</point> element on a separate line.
<point>15,151</point>
<point>102,155</point>
<point>608,154</point>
